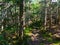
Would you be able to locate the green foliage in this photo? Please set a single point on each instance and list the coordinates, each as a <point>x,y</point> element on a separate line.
<point>1,37</point>
<point>10,32</point>
<point>27,30</point>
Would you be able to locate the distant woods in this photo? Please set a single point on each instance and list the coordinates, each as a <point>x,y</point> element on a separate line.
<point>20,16</point>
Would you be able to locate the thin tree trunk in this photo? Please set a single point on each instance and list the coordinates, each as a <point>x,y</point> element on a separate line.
<point>45,14</point>
<point>20,21</point>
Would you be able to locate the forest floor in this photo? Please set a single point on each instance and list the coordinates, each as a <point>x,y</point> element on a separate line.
<point>43,38</point>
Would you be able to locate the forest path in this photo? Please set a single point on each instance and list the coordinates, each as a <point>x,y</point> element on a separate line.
<point>37,39</point>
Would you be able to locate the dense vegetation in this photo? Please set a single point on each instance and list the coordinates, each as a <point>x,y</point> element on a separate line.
<point>29,22</point>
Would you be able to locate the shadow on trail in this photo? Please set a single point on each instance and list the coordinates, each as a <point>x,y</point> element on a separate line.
<point>40,38</point>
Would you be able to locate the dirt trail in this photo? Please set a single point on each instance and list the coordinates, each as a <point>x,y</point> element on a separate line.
<point>37,39</point>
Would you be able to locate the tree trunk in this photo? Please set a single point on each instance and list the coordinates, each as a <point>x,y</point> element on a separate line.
<point>20,21</point>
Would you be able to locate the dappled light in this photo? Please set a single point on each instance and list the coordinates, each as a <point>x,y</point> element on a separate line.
<point>29,22</point>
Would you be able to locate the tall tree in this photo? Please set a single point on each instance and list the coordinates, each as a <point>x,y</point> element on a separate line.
<point>20,21</point>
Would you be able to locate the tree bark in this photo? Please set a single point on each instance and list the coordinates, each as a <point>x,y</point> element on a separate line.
<point>20,21</point>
